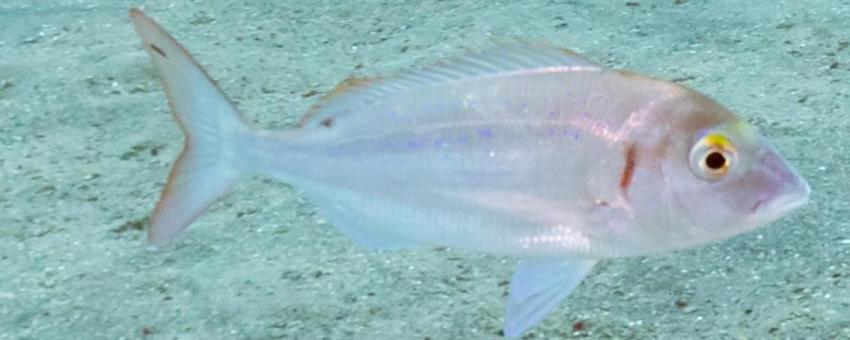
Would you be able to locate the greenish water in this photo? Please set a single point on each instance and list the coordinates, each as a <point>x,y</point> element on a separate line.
<point>86,141</point>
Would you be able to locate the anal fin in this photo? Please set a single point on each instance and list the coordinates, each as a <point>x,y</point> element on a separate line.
<point>352,216</point>
<point>362,233</point>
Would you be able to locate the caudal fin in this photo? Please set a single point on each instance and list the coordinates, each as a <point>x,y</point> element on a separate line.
<point>212,126</point>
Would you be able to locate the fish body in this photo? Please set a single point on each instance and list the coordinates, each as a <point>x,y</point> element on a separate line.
<point>524,164</point>
<point>529,151</point>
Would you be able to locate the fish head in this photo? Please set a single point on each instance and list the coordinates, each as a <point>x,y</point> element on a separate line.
<point>722,178</point>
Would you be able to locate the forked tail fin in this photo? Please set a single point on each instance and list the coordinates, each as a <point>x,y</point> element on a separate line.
<point>212,126</point>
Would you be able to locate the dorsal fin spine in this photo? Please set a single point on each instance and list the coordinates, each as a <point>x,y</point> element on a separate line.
<point>508,60</point>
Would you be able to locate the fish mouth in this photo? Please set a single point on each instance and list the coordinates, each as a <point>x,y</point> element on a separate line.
<point>782,188</point>
<point>771,208</point>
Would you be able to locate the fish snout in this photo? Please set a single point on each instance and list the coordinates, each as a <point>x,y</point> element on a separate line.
<point>785,189</point>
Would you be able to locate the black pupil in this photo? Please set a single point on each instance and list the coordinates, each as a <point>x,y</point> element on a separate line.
<point>715,161</point>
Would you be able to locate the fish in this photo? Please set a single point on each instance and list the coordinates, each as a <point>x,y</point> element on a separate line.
<point>525,150</point>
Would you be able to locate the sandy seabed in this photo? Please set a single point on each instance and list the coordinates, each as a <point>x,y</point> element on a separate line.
<point>86,141</point>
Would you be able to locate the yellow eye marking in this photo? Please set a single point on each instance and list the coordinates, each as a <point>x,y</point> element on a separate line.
<point>719,141</point>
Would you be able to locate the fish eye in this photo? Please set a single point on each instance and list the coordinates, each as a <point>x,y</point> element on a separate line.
<point>716,161</point>
<point>712,157</point>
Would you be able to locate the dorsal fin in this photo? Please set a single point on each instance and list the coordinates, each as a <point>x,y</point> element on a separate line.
<point>349,84</point>
<point>496,61</point>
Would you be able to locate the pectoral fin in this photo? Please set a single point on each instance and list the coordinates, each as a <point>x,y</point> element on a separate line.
<point>537,287</point>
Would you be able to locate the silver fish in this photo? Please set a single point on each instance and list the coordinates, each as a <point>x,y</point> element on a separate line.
<point>530,151</point>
